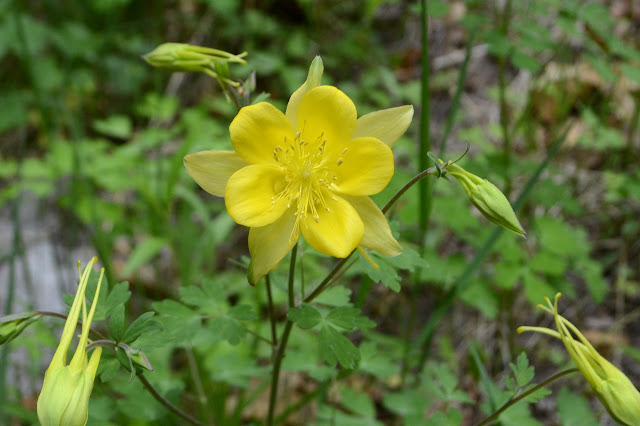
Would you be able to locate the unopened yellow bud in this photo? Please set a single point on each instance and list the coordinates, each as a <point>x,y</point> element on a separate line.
<point>64,399</point>
<point>612,387</point>
<point>190,58</point>
<point>487,198</point>
<point>12,325</point>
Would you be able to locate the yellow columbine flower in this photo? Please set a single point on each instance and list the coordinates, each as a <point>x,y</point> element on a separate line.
<point>309,172</point>
<point>64,399</point>
<point>613,388</point>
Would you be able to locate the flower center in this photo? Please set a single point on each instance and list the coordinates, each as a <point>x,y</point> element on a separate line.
<point>308,177</point>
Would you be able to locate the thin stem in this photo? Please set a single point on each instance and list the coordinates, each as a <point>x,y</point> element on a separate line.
<point>195,376</point>
<point>408,185</point>
<point>283,342</point>
<point>276,371</point>
<point>425,116</point>
<point>166,403</point>
<point>79,324</point>
<point>502,89</point>
<point>629,157</point>
<point>272,319</point>
<point>456,97</point>
<point>325,283</point>
<point>513,400</point>
<point>292,270</point>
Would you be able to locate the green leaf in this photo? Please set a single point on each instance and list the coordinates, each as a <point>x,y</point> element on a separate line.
<point>548,263</point>
<point>376,362</point>
<point>574,409</point>
<point>108,369</point>
<point>526,62</point>
<point>335,296</point>
<point>593,275</point>
<point>228,329</point>
<point>499,45</point>
<point>306,316</point>
<point>117,126</point>
<point>142,324</point>
<point>116,323</point>
<point>174,309</point>
<point>143,253</point>
<point>452,418</point>
<point>522,371</point>
<point>536,289</point>
<point>507,274</point>
<point>348,318</point>
<point>242,313</point>
<point>358,403</point>
<point>482,297</point>
<point>407,402</point>
<point>562,239</point>
<point>334,346</point>
<point>443,382</point>
<point>118,295</point>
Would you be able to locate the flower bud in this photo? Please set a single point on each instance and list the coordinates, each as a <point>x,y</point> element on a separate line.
<point>487,198</point>
<point>64,399</point>
<point>12,325</point>
<point>190,58</point>
<point>612,387</point>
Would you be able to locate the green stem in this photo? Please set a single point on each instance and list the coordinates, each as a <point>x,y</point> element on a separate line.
<point>272,319</point>
<point>425,116</point>
<point>195,376</point>
<point>629,156</point>
<point>273,396</point>
<point>502,89</point>
<point>513,400</point>
<point>455,103</point>
<point>276,372</point>
<point>292,268</point>
<point>64,317</point>
<point>166,403</point>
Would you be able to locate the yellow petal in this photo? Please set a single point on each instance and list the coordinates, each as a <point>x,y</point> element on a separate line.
<point>313,79</point>
<point>377,234</point>
<point>269,244</point>
<point>257,130</point>
<point>212,169</point>
<point>327,113</point>
<point>365,167</point>
<point>387,125</point>
<point>337,232</point>
<point>250,195</point>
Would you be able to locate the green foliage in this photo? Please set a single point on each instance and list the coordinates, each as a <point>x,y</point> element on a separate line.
<point>98,138</point>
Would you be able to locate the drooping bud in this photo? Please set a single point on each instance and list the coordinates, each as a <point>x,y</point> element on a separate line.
<point>64,399</point>
<point>12,325</point>
<point>189,58</point>
<point>487,198</point>
<point>612,387</point>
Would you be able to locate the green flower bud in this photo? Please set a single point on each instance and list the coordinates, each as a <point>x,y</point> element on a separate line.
<point>487,198</point>
<point>190,58</point>
<point>616,392</point>
<point>64,399</point>
<point>12,325</point>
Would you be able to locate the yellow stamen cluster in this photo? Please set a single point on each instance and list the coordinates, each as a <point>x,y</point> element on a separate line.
<point>308,177</point>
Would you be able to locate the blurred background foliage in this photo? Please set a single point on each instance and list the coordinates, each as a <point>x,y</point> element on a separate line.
<point>92,141</point>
